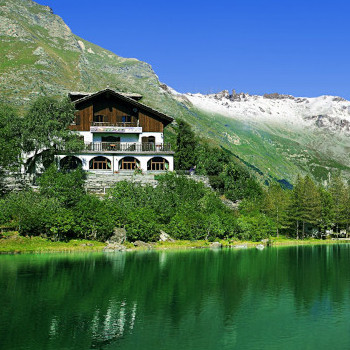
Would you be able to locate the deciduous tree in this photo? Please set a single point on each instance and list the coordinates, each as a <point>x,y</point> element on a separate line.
<point>45,130</point>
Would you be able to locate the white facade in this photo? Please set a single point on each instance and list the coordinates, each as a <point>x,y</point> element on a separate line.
<point>114,155</point>
<point>143,161</point>
<point>88,136</point>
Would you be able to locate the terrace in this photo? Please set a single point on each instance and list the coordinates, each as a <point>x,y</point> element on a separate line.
<point>128,147</point>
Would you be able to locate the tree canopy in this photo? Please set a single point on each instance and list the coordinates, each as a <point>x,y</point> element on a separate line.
<point>45,130</point>
<point>186,143</point>
<point>10,137</point>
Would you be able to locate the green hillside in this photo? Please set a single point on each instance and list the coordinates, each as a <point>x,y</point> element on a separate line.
<point>276,153</point>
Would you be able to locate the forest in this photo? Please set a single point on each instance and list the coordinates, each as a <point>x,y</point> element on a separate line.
<point>60,208</point>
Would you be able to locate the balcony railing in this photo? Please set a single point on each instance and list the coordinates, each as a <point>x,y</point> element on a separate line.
<point>121,124</point>
<point>127,147</point>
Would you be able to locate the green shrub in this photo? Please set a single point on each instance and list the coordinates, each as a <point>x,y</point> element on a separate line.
<point>142,225</point>
<point>93,219</point>
<point>66,187</point>
<point>5,216</point>
<point>217,183</point>
<point>33,213</point>
<point>255,227</point>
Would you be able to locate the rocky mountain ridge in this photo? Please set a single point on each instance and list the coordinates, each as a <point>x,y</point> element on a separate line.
<point>329,112</point>
<point>278,130</point>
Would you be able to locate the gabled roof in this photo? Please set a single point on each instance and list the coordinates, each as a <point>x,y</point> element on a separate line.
<point>77,95</point>
<point>124,97</point>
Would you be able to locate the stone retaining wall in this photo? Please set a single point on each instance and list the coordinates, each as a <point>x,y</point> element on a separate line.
<point>100,182</point>
<point>16,182</point>
<point>97,182</point>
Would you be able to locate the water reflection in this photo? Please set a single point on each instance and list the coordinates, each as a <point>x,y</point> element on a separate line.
<point>203,299</point>
<point>118,320</point>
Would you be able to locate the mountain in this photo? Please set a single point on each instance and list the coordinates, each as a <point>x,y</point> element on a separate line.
<point>275,136</point>
<point>281,135</point>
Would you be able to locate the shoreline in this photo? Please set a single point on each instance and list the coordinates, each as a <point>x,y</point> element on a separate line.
<point>16,244</point>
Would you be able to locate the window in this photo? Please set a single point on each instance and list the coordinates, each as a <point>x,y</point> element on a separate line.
<point>151,139</point>
<point>70,163</point>
<point>100,163</point>
<point>111,143</point>
<point>148,143</point>
<point>157,164</point>
<point>99,118</point>
<point>128,163</point>
<point>110,139</point>
<point>126,119</point>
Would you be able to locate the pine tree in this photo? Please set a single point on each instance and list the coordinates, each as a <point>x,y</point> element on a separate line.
<point>311,203</point>
<point>347,208</point>
<point>276,206</point>
<point>296,203</point>
<point>306,205</point>
<point>186,144</point>
<point>339,195</point>
<point>327,212</point>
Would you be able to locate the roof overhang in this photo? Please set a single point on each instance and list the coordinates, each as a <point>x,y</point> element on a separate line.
<point>122,96</point>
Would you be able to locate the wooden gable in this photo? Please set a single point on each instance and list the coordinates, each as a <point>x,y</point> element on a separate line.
<point>110,107</point>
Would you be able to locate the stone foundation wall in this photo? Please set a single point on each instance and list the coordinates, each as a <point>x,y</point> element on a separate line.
<point>15,182</point>
<point>100,182</point>
<point>97,182</point>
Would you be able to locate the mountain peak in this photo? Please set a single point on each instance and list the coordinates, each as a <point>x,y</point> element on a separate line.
<point>42,54</point>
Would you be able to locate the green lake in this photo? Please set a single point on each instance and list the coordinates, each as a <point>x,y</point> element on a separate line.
<point>278,298</point>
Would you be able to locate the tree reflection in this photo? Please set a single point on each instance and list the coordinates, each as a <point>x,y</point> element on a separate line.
<point>100,300</point>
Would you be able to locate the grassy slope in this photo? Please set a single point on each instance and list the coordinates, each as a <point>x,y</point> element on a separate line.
<point>276,153</point>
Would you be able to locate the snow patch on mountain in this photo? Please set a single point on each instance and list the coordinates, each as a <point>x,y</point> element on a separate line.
<point>284,111</point>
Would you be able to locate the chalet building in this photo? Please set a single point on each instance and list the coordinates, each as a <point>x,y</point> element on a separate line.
<point>120,134</point>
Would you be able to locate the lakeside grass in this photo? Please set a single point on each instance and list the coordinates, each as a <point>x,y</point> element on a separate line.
<point>273,242</point>
<point>284,241</point>
<point>13,243</point>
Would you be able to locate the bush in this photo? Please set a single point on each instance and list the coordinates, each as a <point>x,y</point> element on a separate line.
<point>66,187</point>
<point>5,216</point>
<point>229,224</point>
<point>64,225</point>
<point>186,226</point>
<point>142,225</point>
<point>33,213</point>
<point>255,227</point>
<point>217,183</point>
<point>94,219</point>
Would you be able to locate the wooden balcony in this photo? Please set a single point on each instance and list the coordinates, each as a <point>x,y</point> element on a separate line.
<point>128,147</point>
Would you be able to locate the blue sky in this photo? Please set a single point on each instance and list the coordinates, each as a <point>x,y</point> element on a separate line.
<point>255,46</point>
